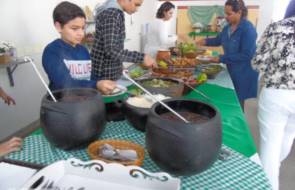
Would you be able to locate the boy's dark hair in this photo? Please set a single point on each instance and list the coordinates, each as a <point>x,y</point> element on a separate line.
<point>238,5</point>
<point>66,11</point>
<point>165,7</point>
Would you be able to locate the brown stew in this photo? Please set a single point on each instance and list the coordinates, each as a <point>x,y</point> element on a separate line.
<point>190,116</point>
<point>72,98</point>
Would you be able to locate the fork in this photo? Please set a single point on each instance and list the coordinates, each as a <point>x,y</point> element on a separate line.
<point>49,185</point>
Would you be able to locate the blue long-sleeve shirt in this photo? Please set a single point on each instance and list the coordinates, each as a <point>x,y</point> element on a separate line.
<point>239,47</point>
<point>67,66</point>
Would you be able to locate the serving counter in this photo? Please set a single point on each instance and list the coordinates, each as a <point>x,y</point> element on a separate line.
<point>235,172</point>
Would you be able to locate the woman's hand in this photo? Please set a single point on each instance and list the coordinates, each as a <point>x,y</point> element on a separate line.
<point>106,86</point>
<point>215,60</point>
<point>201,42</point>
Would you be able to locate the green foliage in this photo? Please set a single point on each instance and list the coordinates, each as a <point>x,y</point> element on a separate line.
<point>137,72</point>
<point>187,48</point>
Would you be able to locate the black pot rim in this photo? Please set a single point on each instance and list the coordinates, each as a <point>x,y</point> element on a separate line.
<point>153,112</point>
<point>47,97</point>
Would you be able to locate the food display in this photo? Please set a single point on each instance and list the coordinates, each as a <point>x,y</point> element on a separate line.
<point>197,80</point>
<point>190,50</point>
<point>183,62</point>
<point>187,48</point>
<point>175,67</point>
<point>211,70</point>
<point>166,86</point>
<point>180,63</point>
<point>136,73</point>
<point>159,83</point>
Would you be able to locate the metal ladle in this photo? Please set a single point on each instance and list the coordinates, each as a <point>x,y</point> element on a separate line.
<point>125,74</point>
<point>198,92</point>
<point>41,78</point>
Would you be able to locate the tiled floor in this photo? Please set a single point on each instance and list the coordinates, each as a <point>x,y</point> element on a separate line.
<point>287,173</point>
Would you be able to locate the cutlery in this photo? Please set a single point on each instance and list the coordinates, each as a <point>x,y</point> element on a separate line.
<point>199,92</point>
<point>37,183</point>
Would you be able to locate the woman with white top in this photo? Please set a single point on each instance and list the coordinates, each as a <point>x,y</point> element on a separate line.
<point>158,36</point>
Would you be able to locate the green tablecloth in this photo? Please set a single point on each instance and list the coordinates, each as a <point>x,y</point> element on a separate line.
<point>235,131</point>
<point>237,172</point>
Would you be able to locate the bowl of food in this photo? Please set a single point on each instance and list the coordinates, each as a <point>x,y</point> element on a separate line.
<point>136,109</point>
<point>125,152</point>
<point>166,86</point>
<point>211,70</point>
<point>181,148</point>
<point>204,58</point>
<point>190,83</point>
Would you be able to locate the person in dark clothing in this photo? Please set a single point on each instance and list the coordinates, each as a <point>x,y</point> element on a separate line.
<point>108,51</point>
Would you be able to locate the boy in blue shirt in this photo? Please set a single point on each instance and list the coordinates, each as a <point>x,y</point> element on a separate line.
<point>66,62</point>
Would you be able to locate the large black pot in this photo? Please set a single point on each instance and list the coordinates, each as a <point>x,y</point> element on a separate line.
<point>136,116</point>
<point>183,148</point>
<point>75,120</point>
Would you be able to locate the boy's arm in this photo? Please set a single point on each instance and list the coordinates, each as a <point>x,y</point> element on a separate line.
<point>59,74</point>
<point>111,36</point>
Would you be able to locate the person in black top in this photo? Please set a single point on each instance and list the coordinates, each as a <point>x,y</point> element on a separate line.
<point>108,51</point>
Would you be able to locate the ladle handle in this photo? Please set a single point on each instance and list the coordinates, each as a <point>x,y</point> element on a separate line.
<point>198,92</point>
<point>154,98</point>
<point>41,78</point>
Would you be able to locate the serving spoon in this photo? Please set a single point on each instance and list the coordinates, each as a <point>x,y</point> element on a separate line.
<point>125,74</point>
<point>41,78</point>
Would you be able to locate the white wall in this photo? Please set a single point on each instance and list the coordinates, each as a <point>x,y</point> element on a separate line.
<point>28,25</point>
<point>265,8</point>
<point>279,11</point>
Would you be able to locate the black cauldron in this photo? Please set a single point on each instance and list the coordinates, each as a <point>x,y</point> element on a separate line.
<point>183,148</point>
<point>75,120</point>
<point>136,116</point>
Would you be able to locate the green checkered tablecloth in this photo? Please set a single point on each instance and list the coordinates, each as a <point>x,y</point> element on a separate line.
<point>236,173</point>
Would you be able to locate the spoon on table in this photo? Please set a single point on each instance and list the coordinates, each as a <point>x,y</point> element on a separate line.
<point>125,74</point>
